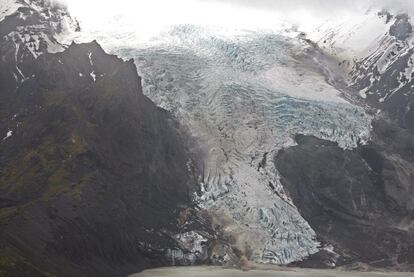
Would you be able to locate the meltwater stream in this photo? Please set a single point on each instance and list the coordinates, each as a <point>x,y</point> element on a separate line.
<point>244,96</point>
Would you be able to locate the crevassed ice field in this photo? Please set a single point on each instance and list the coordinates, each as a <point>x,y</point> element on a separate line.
<point>243,96</point>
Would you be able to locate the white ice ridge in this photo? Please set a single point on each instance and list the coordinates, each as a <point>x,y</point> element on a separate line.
<point>244,97</point>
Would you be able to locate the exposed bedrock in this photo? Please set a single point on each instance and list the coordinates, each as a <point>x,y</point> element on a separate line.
<point>358,201</point>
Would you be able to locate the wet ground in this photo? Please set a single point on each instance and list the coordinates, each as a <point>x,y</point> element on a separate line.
<point>291,272</point>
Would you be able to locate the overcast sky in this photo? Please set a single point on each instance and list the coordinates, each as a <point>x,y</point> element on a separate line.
<point>322,6</point>
<point>305,11</point>
<point>149,16</point>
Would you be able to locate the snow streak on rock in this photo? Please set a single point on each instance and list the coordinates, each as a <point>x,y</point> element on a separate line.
<point>379,59</point>
<point>33,28</point>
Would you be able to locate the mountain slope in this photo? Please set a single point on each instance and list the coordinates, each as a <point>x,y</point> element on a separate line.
<point>377,48</point>
<point>91,169</point>
<point>385,78</point>
<point>360,201</point>
<point>95,179</point>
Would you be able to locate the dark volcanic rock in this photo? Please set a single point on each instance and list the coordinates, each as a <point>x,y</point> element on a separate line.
<point>94,176</point>
<point>359,201</point>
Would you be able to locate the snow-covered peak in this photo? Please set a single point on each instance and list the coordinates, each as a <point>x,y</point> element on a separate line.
<point>352,36</point>
<point>34,27</point>
<point>9,7</point>
<point>377,50</point>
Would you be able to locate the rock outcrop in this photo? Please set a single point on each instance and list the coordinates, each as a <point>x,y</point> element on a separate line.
<point>359,202</point>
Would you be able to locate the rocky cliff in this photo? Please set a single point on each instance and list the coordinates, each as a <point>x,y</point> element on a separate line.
<point>94,177</point>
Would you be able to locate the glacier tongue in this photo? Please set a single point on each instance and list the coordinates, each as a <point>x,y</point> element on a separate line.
<point>244,97</point>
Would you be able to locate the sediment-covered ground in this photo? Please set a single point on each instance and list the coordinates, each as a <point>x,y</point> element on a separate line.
<point>218,271</point>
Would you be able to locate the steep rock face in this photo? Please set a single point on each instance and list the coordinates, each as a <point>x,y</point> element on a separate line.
<point>385,78</point>
<point>377,50</point>
<point>27,30</point>
<point>93,175</point>
<point>358,201</point>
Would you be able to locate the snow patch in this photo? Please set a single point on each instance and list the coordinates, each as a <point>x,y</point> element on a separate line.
<point>363,94</point>
<point>90,59</point>
<point>9,134</point>
<point>191,247</point>
<point>93,75</point>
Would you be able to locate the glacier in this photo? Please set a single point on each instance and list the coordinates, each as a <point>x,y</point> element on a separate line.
<point>243,96</point>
